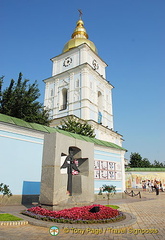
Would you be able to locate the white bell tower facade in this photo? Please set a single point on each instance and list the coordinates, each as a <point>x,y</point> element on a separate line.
<point>78,86</point>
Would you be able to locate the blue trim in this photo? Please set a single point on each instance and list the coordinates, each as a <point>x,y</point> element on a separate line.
<point>107,153</point>
<point>21,137</point>
<point>106,158</point>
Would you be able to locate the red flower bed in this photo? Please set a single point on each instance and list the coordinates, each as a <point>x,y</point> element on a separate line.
<point>76,213</point>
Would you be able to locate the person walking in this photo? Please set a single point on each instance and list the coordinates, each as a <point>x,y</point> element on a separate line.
<point>161,186</point>
<point>156,187</point>
<point>149,186</point>
<point>152,185</point>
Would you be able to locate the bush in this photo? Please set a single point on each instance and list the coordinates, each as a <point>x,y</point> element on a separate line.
<point>4,189</point>
<point>110,190</point>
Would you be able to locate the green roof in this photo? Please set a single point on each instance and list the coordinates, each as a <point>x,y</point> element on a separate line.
<point>145,169</point>
<point>42,128</point>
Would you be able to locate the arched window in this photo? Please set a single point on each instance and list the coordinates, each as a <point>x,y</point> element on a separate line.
<point>77,83</point>
<point>100,100</point>
<point>63,101</point>
<point>100,105</point>
<point>51,93</point>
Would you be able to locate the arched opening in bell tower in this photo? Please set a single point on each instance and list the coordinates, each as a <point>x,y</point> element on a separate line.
<point>64,96</point>
<point>100,100</point>
<point>100,105</point>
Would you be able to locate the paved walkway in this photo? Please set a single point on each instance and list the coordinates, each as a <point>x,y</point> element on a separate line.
<point>145,220</point>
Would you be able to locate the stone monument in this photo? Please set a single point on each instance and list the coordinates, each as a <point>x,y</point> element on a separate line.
<point>67,172</point>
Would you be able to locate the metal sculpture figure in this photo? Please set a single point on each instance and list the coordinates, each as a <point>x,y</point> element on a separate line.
<point>69,163</point>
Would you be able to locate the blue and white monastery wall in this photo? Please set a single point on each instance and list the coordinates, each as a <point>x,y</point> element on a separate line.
<point>109,168</point>
<point>21,161</point>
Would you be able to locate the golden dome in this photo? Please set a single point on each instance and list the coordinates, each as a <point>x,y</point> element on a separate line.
<point>79,37</point>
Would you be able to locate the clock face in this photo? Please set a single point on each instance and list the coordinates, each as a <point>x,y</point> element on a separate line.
<point>95,64</point>
<point>67,61</point>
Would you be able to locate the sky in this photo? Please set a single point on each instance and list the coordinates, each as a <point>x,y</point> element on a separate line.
<point>130,38</point>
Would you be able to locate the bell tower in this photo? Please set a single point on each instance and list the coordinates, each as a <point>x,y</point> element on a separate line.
<point>78,86</point>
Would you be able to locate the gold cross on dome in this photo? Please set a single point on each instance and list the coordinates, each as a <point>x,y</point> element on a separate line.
<point>80,13</point>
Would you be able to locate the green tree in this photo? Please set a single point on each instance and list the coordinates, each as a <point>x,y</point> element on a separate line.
<point>145,163</point>
<point>20,100</point>
<point>135,160</point>
<point>5,191</point>
<point>158,164</point>
<point>110,191</point>
<point>74,125</point>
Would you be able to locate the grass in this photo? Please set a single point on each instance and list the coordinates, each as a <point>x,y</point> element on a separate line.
<point>8,217</point>
<point>112,206</point>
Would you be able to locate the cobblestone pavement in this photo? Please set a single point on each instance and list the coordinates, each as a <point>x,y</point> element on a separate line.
<point>148,223</point>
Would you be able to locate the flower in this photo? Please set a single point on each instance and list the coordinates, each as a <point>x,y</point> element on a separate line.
<point>76,213</point>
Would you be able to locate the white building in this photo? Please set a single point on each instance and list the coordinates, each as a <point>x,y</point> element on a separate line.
<point>78,86</point>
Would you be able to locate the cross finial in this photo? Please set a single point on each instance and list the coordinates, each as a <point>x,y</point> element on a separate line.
<point>80,13</point>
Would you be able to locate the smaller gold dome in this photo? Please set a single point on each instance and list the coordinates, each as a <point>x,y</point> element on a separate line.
<point>80,30</point>
<point>79,37</point>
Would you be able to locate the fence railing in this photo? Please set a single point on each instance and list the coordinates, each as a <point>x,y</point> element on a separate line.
<point>133,194</point>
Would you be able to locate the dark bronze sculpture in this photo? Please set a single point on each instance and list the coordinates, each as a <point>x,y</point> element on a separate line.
<point>69,163</point>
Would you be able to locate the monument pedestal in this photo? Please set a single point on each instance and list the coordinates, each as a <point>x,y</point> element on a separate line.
<point>54,194</point>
